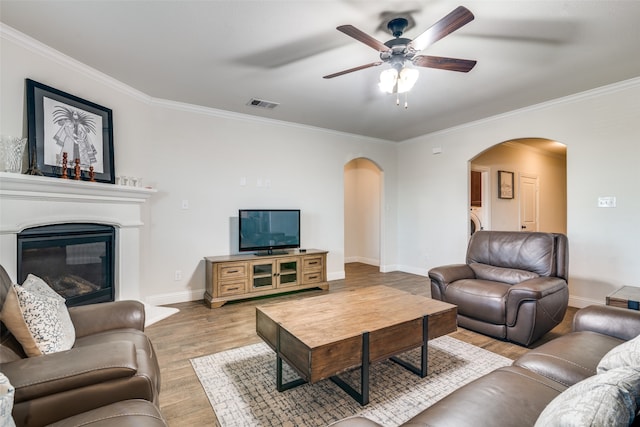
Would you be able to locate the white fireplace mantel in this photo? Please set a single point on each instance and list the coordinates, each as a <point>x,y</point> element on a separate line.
<point>30,201</point>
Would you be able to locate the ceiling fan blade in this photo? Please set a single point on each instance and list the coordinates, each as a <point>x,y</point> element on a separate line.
<point>459,17</point>
<point>351,70</point>
<point>450,64</point>
<point>363,37</point>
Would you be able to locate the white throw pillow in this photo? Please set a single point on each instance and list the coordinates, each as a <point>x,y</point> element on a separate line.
<point>625,354</point>
<point>7,392</point>
<point>40,320</point>
<point>609,399</point>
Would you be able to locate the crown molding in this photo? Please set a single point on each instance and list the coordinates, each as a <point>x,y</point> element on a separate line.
<point>569,99</point>
<point>11,34</point>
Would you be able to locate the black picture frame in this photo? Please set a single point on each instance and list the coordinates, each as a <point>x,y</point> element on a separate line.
<point>505,185</point>
<point>59,122</point>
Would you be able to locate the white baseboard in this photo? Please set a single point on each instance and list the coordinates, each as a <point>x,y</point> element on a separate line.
<point>413,270</point>
<point>363,260</point>
<point>175,297</point>
<point>336,275</point>
<point>579,302</point>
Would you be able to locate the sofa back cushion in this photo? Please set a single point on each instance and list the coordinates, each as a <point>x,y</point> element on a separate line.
<point>501,274</point>
<point>534,252</point>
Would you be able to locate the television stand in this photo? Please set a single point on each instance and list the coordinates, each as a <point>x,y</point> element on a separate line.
<point>235,277</point>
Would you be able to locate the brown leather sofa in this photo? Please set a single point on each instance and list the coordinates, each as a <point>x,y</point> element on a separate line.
<point>111,361</point>
<point>513,285</point>
<point>516,395</point>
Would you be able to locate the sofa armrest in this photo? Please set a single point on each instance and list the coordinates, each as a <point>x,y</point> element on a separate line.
<point>531,290</point>
<point>443,275</point>
<point>93,318</point>
<point>613,321</point>
<point>53,373</point>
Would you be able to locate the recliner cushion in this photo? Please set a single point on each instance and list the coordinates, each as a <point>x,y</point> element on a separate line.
<point>479,299</point>
<point>501,274</point>
<point>524,251</point>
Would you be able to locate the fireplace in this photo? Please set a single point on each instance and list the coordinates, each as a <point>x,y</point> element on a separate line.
<point>33,201</point>
<point>76,260</point>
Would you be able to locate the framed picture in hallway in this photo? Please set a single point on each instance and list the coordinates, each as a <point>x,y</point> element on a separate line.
<point>505,185</point>
<point>61,123</point>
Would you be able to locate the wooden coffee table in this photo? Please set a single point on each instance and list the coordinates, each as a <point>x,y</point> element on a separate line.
<point>320,337</point>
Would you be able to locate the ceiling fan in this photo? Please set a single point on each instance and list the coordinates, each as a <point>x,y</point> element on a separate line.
<point>399,51</point>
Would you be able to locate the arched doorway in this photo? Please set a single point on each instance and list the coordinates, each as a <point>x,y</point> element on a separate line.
<point>363,181</point>
<point>539,200</point>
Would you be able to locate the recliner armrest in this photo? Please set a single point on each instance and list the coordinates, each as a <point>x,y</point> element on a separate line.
<point>531,290</point>
<point>450,273</point>
<point>93,318</point>
<point>48,374</point>
<point>613,321</point>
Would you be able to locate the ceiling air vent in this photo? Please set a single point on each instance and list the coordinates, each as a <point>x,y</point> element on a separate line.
<point>261,103</point>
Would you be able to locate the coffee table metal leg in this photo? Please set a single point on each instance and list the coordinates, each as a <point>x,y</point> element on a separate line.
<point>291,384</point>
<point>362,396</point>
<point>422,370</point>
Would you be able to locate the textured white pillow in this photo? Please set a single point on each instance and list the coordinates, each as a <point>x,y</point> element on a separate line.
<point>7,392</point>
<point>609,399</point>
<point>625,354</point>
<point>46,317</point>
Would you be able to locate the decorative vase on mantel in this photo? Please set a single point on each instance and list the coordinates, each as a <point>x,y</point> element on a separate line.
<point>11,153</point>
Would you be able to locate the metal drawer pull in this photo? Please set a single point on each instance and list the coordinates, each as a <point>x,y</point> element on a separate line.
<point>313,277</point>
<point>313,262</point>
<point>233,289</point>
<point>232,271</point>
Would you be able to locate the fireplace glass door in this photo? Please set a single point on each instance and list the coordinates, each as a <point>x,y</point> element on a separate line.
<point>76,260</point>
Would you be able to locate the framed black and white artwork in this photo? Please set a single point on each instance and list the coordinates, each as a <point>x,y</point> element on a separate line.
<point>60,123</point>
<point>505,185</point>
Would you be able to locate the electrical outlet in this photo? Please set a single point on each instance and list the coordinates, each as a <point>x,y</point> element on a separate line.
<point>607,202</point>
<point>185,204</point>
<point>177,275</point>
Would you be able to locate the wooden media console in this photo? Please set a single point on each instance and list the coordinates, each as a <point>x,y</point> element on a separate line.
<point>234,277</point>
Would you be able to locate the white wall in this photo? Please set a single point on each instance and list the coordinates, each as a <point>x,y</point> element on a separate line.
<point>362,200</point>
<point>600,129</point>
<point>200,155</point>
<point>551,173</point>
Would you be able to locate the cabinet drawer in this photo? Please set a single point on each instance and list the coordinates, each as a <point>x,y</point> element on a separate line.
<point>312,277</point>
<point>232,288</point>
<point>234,270</point>
<point>312,264</point>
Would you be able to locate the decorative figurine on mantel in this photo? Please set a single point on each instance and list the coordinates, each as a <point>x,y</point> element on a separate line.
<point>33,169</point>
<point>92,174</point>
<point>64,166</point>
<point>76,170</point>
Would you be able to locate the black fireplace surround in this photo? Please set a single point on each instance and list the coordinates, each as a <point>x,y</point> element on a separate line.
<point>76,260</point>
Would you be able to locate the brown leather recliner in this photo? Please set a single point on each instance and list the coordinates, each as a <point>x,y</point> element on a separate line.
<point>513,285</point>
<point>112,360</point>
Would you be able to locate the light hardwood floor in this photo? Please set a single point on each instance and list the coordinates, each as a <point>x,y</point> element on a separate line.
<point>197,331</point>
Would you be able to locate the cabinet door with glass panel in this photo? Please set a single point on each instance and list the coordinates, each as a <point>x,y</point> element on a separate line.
<point>287,272</point>
<point>278,273</point>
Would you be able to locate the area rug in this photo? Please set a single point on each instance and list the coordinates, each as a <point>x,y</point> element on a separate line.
<point>241,386</point>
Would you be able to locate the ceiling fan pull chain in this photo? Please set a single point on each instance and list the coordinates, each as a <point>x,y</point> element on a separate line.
<point>406,100</point>
<point>397,98</point>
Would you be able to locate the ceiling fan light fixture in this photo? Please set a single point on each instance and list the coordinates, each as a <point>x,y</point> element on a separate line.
<point>392,81</point>
<point>407,79</point>
<point>388,80</point>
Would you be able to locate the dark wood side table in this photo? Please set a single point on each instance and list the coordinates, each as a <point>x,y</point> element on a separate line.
<point>625,297</point>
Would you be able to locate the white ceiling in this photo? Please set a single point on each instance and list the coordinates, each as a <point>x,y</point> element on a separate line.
<point>220,54</point>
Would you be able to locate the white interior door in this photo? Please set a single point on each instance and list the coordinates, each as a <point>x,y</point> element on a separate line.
<point>528,202</point>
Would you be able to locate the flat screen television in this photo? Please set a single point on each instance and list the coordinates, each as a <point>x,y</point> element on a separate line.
<point>266,230</point>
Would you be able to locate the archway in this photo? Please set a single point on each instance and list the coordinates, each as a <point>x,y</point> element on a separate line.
<point>539,199</point>
<point>363,183</point>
